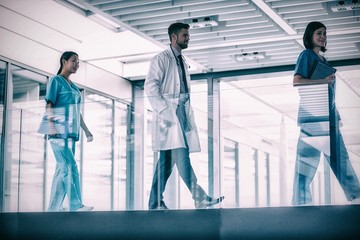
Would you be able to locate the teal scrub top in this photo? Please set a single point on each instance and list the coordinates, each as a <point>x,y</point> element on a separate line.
<point>305,66</point>
<point>66,99</point>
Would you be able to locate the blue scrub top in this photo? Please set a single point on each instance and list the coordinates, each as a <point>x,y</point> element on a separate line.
<point>66,99</point>
<point>305,65</point>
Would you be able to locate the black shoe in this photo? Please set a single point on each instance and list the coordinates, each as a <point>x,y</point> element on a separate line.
<point>208,202</point>
<point>160,206</point>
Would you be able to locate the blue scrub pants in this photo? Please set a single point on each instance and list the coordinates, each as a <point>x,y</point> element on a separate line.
<point>307,161</point>
<point>66,178</point>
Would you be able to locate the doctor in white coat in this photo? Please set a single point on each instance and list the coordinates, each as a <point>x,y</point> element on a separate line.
<point>174,134</point>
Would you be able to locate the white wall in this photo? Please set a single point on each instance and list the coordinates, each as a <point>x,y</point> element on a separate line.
<point>36,32</point>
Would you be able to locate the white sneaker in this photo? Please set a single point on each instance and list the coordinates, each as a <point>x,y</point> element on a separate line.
<point>85,208</point>
<point>63,209</point>
<point>356,201</point>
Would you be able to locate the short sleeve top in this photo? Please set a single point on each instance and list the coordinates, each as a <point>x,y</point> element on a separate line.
<point>66,99</point>
<point>305,65</point>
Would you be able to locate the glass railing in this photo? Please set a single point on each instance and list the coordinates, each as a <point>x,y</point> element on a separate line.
<point>248,133</point>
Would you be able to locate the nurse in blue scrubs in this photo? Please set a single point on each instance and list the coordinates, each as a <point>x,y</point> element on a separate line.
<point>63,111</point>
<point>308,157</point>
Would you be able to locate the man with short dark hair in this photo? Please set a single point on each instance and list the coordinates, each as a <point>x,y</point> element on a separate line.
<point>175,135</point>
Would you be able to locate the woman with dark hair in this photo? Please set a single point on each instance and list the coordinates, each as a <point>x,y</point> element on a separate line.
<point>308,157</point>
<point>63,111</point>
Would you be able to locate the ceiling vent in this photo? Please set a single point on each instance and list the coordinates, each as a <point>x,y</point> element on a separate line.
<point>203,22</point>
<point>342,6</point>
<point>250,56</point>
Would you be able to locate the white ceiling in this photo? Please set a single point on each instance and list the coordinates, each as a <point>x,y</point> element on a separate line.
<point>272,27</point>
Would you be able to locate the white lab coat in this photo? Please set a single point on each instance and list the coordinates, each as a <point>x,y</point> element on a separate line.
<point>162,86</point>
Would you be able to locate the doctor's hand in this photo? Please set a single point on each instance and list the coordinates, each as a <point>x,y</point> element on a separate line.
<point>165,123</point>
<point>165,118</point>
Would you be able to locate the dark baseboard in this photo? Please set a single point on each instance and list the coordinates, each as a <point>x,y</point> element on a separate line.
<point>310,222</point>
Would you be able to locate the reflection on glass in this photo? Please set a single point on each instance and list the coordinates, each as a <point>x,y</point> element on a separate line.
<point>120,149</point>
<point>150,157</point>
<point>2,115</point>
<point>199,160</point>
<point>96,166</point>
<point>28,147</point>
<point>320,136</point>
<point>230,174</point>
<point>104,160</point>
<point>257,147</point>
<point>252,116</point>
<point>247,183</point>
<point>2,94</point>
<point>263,179</point>
<point>2,98</point>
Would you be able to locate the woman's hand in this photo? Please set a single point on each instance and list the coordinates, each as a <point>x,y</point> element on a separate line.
<point>89,136</point>
<point>330,78</point>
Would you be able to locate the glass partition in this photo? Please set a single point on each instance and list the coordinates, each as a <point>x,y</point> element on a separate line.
<point>2,132</point>
<point>150,157</point>
<point>2,95</point>
<point>96,167</point>
<point>256,119</point>
<point>248,130</point>
<point>259,120</point>
<point>28,150</point>
<point>230,162</point>
<point>199,160</point>
<point>120,167</point>
<point>348,107</point>
<point>103,161</point>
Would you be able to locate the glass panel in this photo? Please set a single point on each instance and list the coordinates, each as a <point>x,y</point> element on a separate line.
<point>313,119</point>
<point>2,95</point>
<point>150,157</point>
<point>120,147</point>
<point>348,105</point>
<point>199,160</point>
<point>255,116</point>
<point>273,181</point>
<point>28,147</point>
<point>103,161</point>
<point>230,174</point>
<point>260,115</point>
<point>257,146</point>
<point>246,177</point>
<point>96,167</point>
<point>263,182</point>
<point>2,133</point>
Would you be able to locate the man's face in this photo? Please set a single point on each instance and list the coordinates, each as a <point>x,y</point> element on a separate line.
<point>183,38</point>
